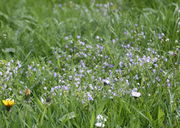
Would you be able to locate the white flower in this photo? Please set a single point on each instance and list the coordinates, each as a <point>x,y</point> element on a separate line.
<point>100,121</point>
<point>101,118</point>
<point>100,125</point>
<point>106,81</point>
<point>135,94</point>
<point>42,100</point>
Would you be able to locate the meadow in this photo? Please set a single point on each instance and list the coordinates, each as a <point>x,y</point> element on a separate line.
<point>89,63</point>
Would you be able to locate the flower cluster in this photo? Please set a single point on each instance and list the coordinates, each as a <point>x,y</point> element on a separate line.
<point>100,121</point>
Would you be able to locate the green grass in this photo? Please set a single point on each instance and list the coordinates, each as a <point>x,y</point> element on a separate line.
<point>83,58</point>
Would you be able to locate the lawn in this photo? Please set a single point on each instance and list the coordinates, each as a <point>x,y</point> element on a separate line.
<point>89,63</point>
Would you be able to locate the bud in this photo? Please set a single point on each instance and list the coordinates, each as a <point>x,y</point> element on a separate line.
<point>27,92</point>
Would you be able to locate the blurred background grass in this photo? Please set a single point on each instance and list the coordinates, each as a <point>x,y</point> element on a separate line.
<point>32,27</point>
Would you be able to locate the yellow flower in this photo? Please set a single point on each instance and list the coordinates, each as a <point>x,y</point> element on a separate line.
<point>8,102</point>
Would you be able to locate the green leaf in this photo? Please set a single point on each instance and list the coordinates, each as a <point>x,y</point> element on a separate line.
<point>8,50</point>
<point>149,116</point>
<point>67,117</point>
<point>92,120</point>
<point>161,115</point>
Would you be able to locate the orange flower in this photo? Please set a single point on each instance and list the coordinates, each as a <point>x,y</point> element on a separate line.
<point>8,102</point>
